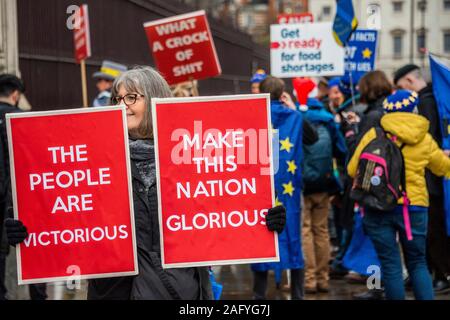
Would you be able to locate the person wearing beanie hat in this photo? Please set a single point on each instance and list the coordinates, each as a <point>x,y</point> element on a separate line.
<point>404,71</point>
<point>409,131</point>
<point>335,95</point>
<point>410,77</point>
<point>401,101</point>
<point>256,80</point>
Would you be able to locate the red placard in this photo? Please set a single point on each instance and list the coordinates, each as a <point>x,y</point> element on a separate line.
<point>71,186</point>
<point>183,47</point>
<point>215,180</point>
<point>295,18</point>
<point>81,34</point>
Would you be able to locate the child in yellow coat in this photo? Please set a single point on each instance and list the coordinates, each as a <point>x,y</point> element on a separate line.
<point>420,151</point>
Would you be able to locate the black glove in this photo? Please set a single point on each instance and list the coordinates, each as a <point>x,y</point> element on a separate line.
<point>16,232</point>
<point>276,219</point>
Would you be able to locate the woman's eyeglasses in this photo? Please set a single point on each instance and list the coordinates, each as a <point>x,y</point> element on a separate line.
<point>128,99</point>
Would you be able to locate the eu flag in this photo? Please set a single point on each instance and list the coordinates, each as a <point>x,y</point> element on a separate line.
<point>288,155</point>
<point>345,22</point>
<point>441,87</point>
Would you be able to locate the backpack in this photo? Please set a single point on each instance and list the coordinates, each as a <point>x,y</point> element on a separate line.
<point>318,160</point>
<point>380,177</point>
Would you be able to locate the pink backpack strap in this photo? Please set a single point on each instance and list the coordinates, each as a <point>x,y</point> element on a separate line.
<point>406,219</point>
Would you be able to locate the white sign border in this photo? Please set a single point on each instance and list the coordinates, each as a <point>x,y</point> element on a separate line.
<point>130,192</point>
<point>156,101</point>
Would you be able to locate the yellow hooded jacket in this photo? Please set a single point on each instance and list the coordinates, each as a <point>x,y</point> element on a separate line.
<point>420,151</point>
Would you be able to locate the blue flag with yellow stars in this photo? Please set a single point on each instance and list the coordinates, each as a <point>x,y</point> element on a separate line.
<point>345,22</point>
<point>287,125</point>
<point>440,74</point>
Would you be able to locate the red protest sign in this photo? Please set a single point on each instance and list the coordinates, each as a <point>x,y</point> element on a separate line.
<point>295,18</point>
<point>81,34</point>
<point>71,186</point>
<point>183,47</point>
<point>215,180</point>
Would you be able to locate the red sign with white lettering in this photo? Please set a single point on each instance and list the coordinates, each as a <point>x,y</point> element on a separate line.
<point>215,180</point>
<point>295,18</point>
<point>71,188</point>
<point>81,34</point>
<point>183,47</point>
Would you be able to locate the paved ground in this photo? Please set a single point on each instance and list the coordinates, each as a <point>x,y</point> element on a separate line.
<point>237,281</point>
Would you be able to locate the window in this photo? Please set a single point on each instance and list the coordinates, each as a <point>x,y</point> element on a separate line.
<point>421,41</point>
<point>326,11</point>
<point>398,45</point>
<point>421,47</point>
<point>447,4</point>
<point>397,42</point>
<point>422,5</point>
<point>398,6</point>
<point>447,41</point>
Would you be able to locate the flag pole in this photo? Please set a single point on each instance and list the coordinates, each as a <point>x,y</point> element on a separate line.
<point>84,83</point>
<point>351,90</point>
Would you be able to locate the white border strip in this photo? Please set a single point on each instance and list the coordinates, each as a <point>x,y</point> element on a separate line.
<point>14,191</point>
<point>174,18</point>
<point>163,101</point>
<point>88,31</point>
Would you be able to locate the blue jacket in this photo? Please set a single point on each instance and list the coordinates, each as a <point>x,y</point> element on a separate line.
<point>317,114</point>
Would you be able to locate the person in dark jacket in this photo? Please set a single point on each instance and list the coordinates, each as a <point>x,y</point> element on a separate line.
<point>135,88</point>
<point>374,87</point>
<point>319,184</point>
<point>410,77</point>
<point>11,88</point>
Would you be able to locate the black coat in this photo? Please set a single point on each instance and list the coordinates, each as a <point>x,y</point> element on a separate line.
<point>5,176</point>
<point>428,108</point>
<point>370,118</point>
<point>152,283</point>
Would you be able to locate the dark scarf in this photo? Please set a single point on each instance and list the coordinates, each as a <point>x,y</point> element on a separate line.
<point>142,152</point>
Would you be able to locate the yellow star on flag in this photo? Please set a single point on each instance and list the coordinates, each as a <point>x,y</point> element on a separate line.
<point>292,166</point>
<point>406,102</point>
<point>398,105</point>
<point>278,202</point>
<point>286,145</point>
<point>288,189</point>
<point>367,53</point>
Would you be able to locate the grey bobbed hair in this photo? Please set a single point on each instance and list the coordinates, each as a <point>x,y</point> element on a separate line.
<point>149,83</point>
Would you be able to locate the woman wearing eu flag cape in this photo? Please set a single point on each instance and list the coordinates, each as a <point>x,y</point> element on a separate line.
<point>292,132</point>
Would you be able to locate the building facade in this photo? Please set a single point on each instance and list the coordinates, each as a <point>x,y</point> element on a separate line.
<point>9,58</point>
<point>407,28</point>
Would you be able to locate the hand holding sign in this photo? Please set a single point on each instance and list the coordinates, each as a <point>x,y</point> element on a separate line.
<point>16,232</point>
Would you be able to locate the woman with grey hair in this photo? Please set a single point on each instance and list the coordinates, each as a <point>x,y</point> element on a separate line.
<point>135,88</point>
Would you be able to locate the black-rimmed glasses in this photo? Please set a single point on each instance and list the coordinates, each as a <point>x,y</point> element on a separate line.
<point>128,99</point>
